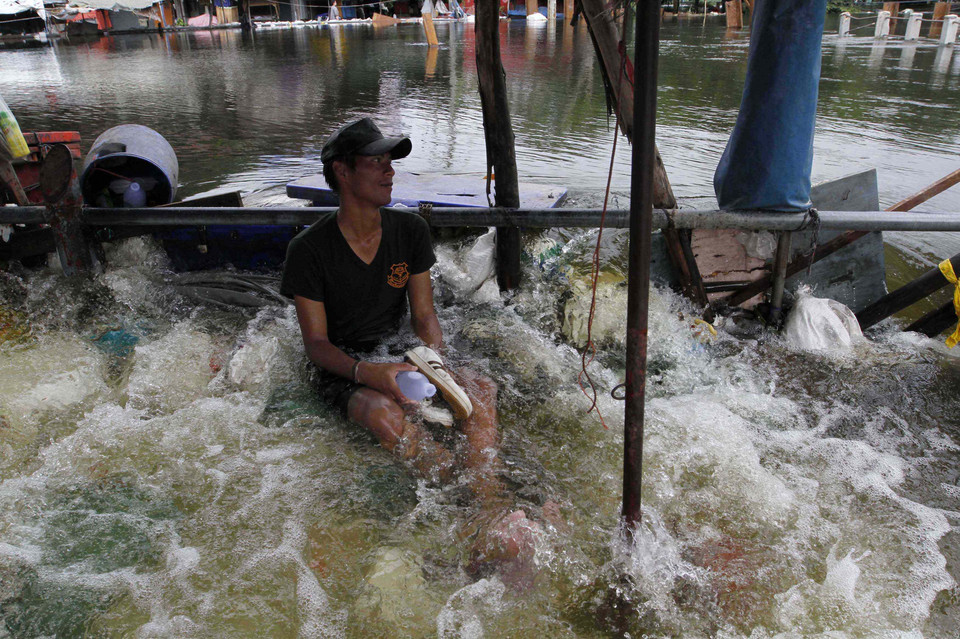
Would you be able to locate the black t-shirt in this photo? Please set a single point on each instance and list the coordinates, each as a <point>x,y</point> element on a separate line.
<point>363,302</point>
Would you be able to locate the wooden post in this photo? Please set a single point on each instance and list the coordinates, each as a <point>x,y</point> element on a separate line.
<point>935,322</point>
<point>618,82</point>
<point>931,281</point>
<point>498,133</point>
<point>430,30</point>
<point>9,177</point>
<point>734,14</point>
<point>892,8</point>
<point>532,6</point>
<point>567,10</point>
<point>939,13</point>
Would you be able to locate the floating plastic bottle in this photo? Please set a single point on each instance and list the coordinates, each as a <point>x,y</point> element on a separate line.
<point>12,139</point>
<point>134,197</point>
<point>415,386</point>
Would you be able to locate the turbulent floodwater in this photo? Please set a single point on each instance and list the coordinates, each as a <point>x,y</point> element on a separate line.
<point>166,470</point>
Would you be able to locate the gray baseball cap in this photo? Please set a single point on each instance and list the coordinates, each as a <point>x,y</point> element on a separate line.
<point>363,137</point>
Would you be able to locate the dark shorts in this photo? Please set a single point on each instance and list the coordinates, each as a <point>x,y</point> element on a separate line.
<point>334,390</point>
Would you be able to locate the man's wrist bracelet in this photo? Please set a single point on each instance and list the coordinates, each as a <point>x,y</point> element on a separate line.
<point>356,372</point>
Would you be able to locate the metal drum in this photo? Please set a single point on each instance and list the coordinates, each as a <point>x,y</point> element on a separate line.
<point>126,153</point>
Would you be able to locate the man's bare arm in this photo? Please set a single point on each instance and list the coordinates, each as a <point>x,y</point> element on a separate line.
<point>423,316</point>
<point>312,317</point>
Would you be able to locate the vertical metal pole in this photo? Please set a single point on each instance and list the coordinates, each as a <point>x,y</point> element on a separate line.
<point>647,43</point>
<point>779,276</point>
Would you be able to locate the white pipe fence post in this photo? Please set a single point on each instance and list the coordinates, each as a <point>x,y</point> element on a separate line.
<point>914,21</point>
<point>951,24</point>
<point>844,24</point>
<point>883,25</point>
<point>552,11</point>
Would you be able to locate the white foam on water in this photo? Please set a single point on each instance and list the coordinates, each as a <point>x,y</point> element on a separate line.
<point>43,387</point>
<point>268,354</point>
<point>776,525</point>
<point>463,615</point>
<point>173,370</point>
<point>170,456</point>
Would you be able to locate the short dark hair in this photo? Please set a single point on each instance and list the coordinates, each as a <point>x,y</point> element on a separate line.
<point>331,177</point>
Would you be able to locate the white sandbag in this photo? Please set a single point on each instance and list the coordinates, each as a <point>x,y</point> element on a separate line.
<point>468,271</point>
<point>819,324</point>
<point>536,17</point>
<point>489,293</point>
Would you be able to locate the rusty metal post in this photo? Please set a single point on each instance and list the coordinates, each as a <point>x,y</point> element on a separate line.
<point>779,277</point>
<point>641,226</point>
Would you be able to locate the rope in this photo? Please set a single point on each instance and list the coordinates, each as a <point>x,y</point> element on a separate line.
<point>946,267</point>
<point>815,240</point>
<point>591,348</point>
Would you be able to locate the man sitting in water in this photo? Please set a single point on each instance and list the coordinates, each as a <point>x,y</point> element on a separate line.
<point>351,276</point>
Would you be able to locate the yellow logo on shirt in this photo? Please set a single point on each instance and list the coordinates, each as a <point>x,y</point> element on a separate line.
<point>398,275</point>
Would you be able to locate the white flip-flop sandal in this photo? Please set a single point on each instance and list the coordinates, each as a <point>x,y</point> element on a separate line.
<point>430,364</point>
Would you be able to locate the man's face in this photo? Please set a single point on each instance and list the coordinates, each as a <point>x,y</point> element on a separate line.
<point>371,181</point>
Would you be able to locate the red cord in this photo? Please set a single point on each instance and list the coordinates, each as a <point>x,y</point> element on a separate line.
<point>590,346</point>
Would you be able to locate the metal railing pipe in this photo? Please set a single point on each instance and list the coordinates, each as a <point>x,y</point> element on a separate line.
<point>524,218</point>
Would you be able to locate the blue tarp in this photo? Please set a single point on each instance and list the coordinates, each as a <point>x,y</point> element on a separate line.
<point>769,156</point>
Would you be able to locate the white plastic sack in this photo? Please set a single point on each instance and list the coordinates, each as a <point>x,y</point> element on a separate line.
<point>473,266</point>
<point>818,324</point>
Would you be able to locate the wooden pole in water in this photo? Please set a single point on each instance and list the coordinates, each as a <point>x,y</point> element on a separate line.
<point>532,6</point>
<point>641,227</point>
<point>606,39</point>
<point>498,133</point>
<point>936,321</point>
<point>939,13</point>
<point>430,30</point>
<point>931,281</point>
<point>894,9</point>
<point>734,14</point>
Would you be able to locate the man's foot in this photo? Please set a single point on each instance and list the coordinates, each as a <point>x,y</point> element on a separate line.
<point>430,364</point>
<point>507,543</point>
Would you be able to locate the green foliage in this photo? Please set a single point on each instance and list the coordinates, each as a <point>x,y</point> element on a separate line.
<point>839,6</point>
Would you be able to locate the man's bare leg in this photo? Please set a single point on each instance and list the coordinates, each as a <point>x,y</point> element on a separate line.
<point>506,538</point>
<point>386,420</point>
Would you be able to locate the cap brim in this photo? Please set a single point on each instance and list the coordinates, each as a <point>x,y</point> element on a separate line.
<point>396,147</point>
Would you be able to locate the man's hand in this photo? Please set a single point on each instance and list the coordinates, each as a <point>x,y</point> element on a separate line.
<point>383,377</point>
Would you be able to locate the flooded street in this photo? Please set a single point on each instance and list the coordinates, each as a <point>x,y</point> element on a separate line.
<point>166,469</point>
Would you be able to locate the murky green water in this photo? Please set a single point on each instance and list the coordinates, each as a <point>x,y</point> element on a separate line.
<point>165,470</point>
